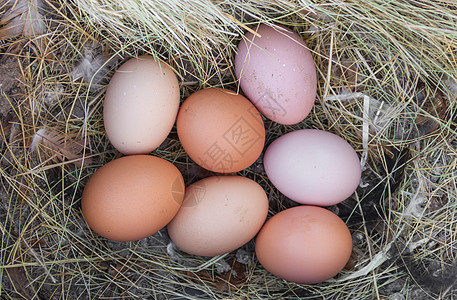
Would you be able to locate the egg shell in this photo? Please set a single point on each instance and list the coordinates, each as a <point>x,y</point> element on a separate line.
<point>313,167</point>
<point>132,197</point>
<point>277,73</point>
<point>219,214</point>
<point>304,244</point>
<point>140,106</point>
<point>220,130</point>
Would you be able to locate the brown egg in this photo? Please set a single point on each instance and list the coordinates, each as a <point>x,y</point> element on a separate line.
<point>304,244</point>
<point>220,130</point>
<point>219,214</point>
<point>141,105</point>
<point>132,197</point>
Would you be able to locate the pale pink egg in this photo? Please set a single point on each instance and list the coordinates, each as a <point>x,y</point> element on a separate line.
<point>313,167</point>
<point>277,73</point>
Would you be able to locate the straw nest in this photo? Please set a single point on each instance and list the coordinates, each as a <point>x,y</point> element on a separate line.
<point>386,84</point>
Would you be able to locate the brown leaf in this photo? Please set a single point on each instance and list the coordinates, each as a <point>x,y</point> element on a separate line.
<point>117,268</point>
<point>236,277</point>
<point>36,243</point>
<point>435,108</point>
<point>20,282</point>
<point>437,203</point>
<point>23,190</point>
<point>345,72</point>
<point>351,262</point>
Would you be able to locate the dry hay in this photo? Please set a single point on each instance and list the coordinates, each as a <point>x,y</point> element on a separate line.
<point>386,83</point>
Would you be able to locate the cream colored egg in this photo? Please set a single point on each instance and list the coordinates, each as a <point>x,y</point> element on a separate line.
<point>141,105</point>
<point>219,214</point>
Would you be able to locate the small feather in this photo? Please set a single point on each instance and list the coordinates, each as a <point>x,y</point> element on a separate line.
<point>94,65</point>
<point>23,18</point>
<point>61,146</point>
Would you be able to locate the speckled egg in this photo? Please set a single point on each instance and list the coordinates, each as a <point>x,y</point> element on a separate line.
<point>277,73</point>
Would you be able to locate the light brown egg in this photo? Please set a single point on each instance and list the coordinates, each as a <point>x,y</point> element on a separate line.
<point>220,130</point>
<point>141,105</point>
<point>132,197</point>
<point>304,244</point>
<point>219,214</point>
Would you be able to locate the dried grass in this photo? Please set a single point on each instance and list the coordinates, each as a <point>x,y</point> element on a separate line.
<point>387,84</point>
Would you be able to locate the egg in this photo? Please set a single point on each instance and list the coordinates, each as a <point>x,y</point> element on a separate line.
<point>140,106</point>
<point>304,244</point>
<point>132,197</point>
<point>220,130</point>
<point>313,167</point>
<point>276,72</point>
<point>219,214</point>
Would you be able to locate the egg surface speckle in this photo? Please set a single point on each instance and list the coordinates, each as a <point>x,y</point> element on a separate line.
<point>313,167</point>
<point>140,105</point>
<point>132,197</point>
<point>277,73</point>
<point>219,214</point>
<point>304,244</point>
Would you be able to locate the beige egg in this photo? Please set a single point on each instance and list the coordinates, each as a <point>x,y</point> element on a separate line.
<point>219,214</point>
<point>141,105</point>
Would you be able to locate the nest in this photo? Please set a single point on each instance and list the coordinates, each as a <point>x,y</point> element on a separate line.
<point>386,84</point>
